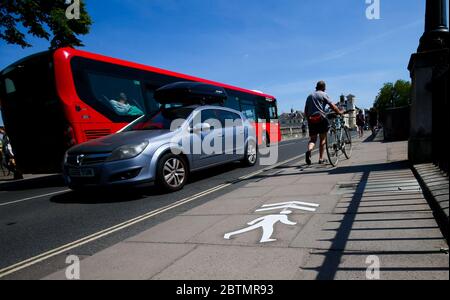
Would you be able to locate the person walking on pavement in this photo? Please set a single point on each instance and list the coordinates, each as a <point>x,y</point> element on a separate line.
<point>315,112</point>
<point>9,160</point>
<point>361,122</point>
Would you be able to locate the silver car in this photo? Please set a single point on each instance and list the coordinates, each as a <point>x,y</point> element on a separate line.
<point>164,147</point>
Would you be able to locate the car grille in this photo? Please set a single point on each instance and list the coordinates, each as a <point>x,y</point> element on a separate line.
<point>86,159</point>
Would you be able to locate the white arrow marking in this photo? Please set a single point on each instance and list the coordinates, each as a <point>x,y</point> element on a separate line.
<point>286,207</point>
<point>292,202</point>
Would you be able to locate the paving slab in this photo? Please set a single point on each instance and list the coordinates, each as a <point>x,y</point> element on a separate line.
<point>226,205</point>
<point>302,190</point>
<point>371,232</point>
<point>249,192</point>
<point>328,178</point>
<point>133,261</point>
<point>389,207</point>
<point>274,180</point>
<point>409,265</point>
<point>177,230</point>
<point>365,201</point>
<point>401,195</point>
<point>236,263</point>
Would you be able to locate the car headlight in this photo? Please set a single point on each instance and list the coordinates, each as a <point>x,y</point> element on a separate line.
<point>66,155</point>
<point>127,151</point>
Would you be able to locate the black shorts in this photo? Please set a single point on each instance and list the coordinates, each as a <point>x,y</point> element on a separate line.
<point>319,128</point>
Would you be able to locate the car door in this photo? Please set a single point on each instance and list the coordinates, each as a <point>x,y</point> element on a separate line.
<point>208,146</point>
<point>234,139</point>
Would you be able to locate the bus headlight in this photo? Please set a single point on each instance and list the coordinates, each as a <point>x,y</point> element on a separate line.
<point>128,151</point>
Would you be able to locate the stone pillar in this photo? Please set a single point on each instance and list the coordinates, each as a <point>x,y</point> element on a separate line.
<point>427,67</point>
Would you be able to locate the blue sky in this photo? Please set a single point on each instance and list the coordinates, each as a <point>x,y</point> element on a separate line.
<point>282,47</point>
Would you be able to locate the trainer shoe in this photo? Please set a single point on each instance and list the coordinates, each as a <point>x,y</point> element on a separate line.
<point>308,158</point>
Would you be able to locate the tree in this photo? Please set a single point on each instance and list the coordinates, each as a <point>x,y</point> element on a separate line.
<point>43,19</point>
<point>393,95</point>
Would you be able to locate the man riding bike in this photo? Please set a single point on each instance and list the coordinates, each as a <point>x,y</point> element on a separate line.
<point>315,111</point>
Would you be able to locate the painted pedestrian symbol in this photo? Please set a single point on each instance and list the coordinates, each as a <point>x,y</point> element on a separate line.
<point>267,223</point>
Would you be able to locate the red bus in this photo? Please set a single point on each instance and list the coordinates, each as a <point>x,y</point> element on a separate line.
<point>53,100</point>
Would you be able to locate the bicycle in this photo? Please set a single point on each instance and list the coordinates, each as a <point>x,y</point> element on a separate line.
<point>339,138</point>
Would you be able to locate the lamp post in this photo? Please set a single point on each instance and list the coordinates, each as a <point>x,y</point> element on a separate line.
<point>436,26</point>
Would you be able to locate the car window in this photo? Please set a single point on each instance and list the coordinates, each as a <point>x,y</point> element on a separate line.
<point>212,117</point>
<point>160,120</point>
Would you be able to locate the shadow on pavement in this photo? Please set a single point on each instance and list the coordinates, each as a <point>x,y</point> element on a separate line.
<point>334,257</point>
<point>33,183</point>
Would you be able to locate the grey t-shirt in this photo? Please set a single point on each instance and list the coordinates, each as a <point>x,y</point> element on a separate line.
<point>317,103</point>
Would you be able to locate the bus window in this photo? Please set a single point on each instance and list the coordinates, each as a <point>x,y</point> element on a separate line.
<point>262,110</point>
<point>249,110</point>
<point>9,85</point>
<point>232,101</point>
<point>152,105</point>
<point>273,114</point>
<point>120,96</point>
<point>114,91</point>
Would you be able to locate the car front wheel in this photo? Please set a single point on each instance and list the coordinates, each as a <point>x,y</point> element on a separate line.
<point>172,173</point>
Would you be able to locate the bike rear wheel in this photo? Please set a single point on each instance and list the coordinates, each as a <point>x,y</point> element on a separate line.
<point>333,147</point>
<point>348,146</point>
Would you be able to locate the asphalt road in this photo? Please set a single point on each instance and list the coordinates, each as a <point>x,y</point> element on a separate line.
<point>40,215</point>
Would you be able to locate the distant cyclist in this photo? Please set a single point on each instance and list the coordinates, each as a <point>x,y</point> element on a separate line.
<point>315,112</point>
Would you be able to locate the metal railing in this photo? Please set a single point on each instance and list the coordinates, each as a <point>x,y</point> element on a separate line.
<point>294,131</point>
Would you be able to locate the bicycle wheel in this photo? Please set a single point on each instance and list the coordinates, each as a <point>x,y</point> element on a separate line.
<point>332,148</point>
<point>348,146</point>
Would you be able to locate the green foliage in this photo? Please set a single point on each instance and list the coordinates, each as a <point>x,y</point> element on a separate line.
<point>43,19</point>
<point>393,95</point>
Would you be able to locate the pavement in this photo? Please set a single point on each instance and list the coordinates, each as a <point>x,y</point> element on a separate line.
<point>372,222</point>
<point>41,220</point>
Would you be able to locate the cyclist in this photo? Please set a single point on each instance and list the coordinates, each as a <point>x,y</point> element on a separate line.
<point>315,112</point>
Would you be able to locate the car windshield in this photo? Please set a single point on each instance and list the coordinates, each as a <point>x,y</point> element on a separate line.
<point>161,120</point>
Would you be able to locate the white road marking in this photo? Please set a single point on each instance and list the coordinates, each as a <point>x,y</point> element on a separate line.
<point>34,197</point>
<point>286,207</point>
<point>292,202</point>
<point>62,249</point>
